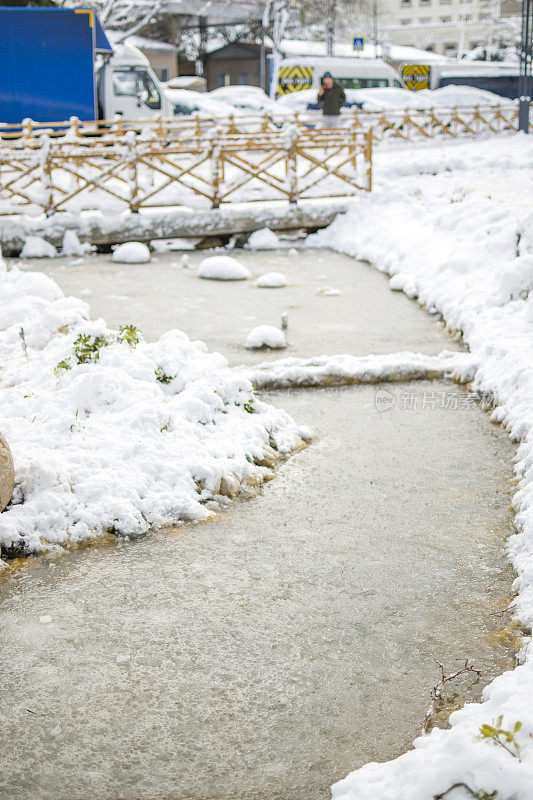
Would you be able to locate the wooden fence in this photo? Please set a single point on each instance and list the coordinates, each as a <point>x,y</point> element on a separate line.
<point>141,171</point>
<point>401,123</point>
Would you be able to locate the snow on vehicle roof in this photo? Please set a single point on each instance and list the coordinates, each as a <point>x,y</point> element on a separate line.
<point>198,102</point>
<point>313,49</point>
<point>461,96</point>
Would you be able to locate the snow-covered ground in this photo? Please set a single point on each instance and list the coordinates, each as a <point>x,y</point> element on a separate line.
<point>453,226</point>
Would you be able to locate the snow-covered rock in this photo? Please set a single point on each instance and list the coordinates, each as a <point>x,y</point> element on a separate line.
<point>271,280</point>
<point>7,473</point>
<point>265,336</point>
<point>264,239</point>
<point>132,253</point>
<point>222,268</point>
<point>37,247</point>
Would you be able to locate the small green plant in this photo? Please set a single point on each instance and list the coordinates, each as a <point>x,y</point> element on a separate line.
<point>501,737</point>
<point>162,376</point>
<point>87,347</point>
<point>62,366</point>
<point>129,334</point>
<point>249,406</point>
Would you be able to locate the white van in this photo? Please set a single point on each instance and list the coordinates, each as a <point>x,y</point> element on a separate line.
<point>127,85</point>
<point>492,76</point>
<point>303,72</point>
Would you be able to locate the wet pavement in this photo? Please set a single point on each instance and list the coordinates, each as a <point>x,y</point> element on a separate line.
<point>268,652</point>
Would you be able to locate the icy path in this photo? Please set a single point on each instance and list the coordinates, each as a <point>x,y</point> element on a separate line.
<point>268,653</point>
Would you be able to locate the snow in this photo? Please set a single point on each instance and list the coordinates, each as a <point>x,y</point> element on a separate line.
<point>265,336</point>
<point>72,245</point>
<point>222,268</point>
<point>347,370</point>
<point>271,280</point>
<point>36,247</point>
<point>264,239</point>
<point>132,253</point>
<point>142,437</point>
<point>453,227</point>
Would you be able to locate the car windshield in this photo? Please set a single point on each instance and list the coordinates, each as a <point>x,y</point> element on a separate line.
<point>137,82</point>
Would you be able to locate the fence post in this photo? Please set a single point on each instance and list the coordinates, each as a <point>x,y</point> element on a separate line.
<point>46,175</point>
<point>133,177</point>
<point>367,158</point>
<point>216,166</point>
<point>292,163</point>
<point>27,128</point>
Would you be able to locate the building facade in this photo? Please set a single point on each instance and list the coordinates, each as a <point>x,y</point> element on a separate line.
<point>447,27</point>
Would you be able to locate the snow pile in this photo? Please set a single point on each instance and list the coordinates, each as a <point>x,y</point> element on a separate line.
<point>265,336</point>
<point>271,280</point>
<point>37,247</point>
<point>222,268</point>
<point>347,370</point>
<point>112,434</point>
<point>72,245</point>
<point>132,253</point>
<point>461,241</point>
<point>264,239</point>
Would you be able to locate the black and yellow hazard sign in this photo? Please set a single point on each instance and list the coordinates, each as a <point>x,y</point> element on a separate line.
<point>416,76</point>
<point>294,78</point>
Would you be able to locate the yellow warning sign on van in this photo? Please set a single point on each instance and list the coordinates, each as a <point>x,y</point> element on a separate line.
<point>294,78</point>
<point>416,76</point>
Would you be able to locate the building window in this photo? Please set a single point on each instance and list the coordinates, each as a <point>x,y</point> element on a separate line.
<point>450,49</point>
<point>405,22</point>
<point>468,17</point>
<point>223,79</point>
<point>430,48</point>
<point>243,78</point>
<point>405,3</point>
<point>425,20</point>
<point>425,2</point>
<point>445,19</point>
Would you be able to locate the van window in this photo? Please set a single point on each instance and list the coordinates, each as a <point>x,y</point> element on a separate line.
<point>362,83</point>
<point>137,82</point>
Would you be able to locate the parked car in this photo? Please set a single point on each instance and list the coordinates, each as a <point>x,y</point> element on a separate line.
<point>186,102</point>
<point>251,100</point>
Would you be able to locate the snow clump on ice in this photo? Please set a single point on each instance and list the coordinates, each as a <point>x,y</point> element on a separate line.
<point>271,280</point>
<point>265,336</point>
<point>132,253</point>
<point>264,239</point>
<point>37,247</point>
<point>222,268</point>
<point>72,245</point>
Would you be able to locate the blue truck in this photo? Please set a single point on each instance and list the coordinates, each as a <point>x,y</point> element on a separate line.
<point>57,63</point>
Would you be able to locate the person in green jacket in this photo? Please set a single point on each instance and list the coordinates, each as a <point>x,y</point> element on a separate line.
<point>331,97</point>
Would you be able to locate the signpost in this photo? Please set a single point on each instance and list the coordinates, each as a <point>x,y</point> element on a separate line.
<point>359,43</point>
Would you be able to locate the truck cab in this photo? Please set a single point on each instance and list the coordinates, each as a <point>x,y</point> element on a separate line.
<point>127,85</point>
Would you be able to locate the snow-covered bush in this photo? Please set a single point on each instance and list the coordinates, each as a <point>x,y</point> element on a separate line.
<point>111,433</point>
